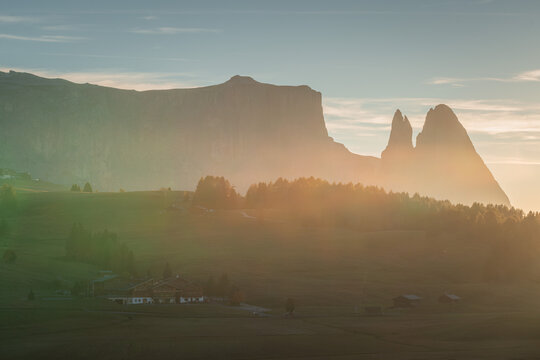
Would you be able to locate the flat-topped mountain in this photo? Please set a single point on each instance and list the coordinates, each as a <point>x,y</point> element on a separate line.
<point>242,129</point>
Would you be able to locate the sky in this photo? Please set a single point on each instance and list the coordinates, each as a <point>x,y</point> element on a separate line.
<point>367,58</point>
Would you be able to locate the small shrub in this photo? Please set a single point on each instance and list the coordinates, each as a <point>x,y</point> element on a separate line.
<point>9,256</point>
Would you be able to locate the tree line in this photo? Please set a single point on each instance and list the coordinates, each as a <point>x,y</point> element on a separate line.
<point>87,188</point>
<point>101,248</point>
<point>512,236</point>
<point>217,193</point>
<point>223,288</point>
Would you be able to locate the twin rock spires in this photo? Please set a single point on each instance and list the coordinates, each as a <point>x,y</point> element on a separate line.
<point>442,129</point>
<point>444,164</point>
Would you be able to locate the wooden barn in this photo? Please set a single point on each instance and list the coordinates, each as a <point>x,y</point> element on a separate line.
<point>407,300</point>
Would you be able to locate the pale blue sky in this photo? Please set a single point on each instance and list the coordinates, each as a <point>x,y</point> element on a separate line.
<point>366,57</point>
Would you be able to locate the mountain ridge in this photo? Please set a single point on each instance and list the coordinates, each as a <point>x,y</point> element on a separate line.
<point>242,129</point>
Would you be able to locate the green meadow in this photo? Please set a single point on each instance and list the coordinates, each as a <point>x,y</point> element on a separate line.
<point>331,272</point>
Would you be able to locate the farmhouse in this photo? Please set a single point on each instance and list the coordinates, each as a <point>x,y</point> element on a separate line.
<point>131,291</point>
<point>174,290</point>
<point>449,298</point>
<point>408,300</point>
<point>177,290</point>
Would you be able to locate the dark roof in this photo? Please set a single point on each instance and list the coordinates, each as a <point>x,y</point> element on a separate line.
<point>409,297</point>
<point>105,278</point>
<point>176,282</point>
<point>121,285</point>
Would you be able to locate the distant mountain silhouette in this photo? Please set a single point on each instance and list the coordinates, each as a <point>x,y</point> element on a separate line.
<point>242,129</point>
<point>444,164</point>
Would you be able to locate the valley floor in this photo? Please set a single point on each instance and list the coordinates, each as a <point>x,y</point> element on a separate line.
<point>218,332</point>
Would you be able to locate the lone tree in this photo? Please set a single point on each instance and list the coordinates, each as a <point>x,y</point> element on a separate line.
<point>9,256</point>
<point>75,188</point>
<point>87,188</point>
<point>167,273</point>
<point>289,306</point>
<point>31,295</point>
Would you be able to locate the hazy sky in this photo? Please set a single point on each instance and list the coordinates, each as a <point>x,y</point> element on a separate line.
<point>367,58</point>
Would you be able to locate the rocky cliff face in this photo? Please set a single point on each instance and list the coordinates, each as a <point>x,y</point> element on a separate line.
<point>444,164</point>
<point>241,129</point>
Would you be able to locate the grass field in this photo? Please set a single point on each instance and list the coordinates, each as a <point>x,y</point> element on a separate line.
<point>332,273</point>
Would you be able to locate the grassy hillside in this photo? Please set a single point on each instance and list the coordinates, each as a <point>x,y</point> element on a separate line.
<point>330,272</point>
<point>270,260</point>
<point>32,185</point>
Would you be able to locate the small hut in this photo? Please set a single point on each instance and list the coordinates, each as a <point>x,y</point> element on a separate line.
<point>449,298</point>
<point>407,300</point>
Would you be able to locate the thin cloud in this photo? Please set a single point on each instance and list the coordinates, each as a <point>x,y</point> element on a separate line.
<point>139,81</point>
<point>42,38</point>
<point>511,161</point>
<point>533,75</point>
<point>103,56</point>
<point>15,19</point>
<point>496,126</point>
<point>174,30</point>
<point>526,76</point>
<point>478,116</point>
<point>57,27</point>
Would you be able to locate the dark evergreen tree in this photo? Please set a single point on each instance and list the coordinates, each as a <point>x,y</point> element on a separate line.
<point>290,306</point>
<point>167,272</point>
<point>210,287</point>
<point>223,286</point>
<point>87,188</point>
